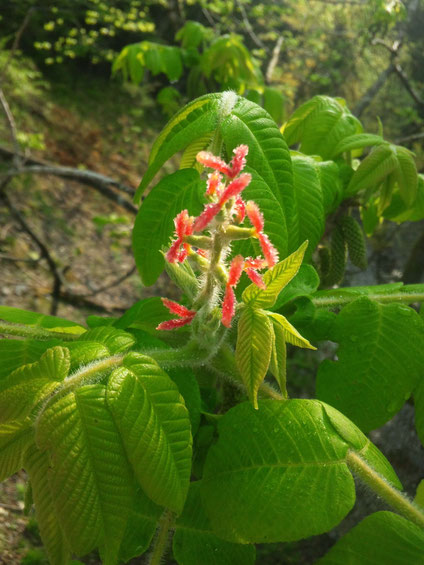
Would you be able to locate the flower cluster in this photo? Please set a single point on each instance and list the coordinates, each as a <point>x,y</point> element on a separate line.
<point>210,234</point>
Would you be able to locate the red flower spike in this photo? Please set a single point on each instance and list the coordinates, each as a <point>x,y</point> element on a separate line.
<point>213,182</point>
<point>176,308</point>
<point>239,160</point>
<point>173,324</point>
<point>240,209</point>
<point>235,187</point>
<point>183,226</point>
<point>255,278</point>
<point>205,218</point>
<point>236,269</point>
<point>255,215</point>
<point>228,306</point>
<point>269,251</point>
<point>213,162</point>
<point>172,254</point>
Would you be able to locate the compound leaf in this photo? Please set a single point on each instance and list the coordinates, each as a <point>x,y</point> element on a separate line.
<point>15,438</point>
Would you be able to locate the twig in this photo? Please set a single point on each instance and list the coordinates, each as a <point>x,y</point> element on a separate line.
<point>116,282</point>
<point>274,59</point>
<point>406,83</point>
<point>44,252</point>
<point>95,180</point>
<point>17,259</point>
<point>16,41</point>
<point>249,28</point>
<point>10,507</point>
<point>409,138</point>
<point>12,128</point>
<point>367,98</point>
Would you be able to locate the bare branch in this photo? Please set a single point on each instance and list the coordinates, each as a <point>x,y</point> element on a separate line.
<point>249,28</point>
<point>114,283</point>
<point>274,59</point>
<point>406,83</point>
<point>12,128</point>
<point>16,41</point>
<point>367,98</point>
<point>95,180</point>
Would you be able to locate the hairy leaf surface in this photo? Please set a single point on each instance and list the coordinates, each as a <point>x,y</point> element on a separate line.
<point>15,438</point>
<point>380,360</point>
<point>155,428</point>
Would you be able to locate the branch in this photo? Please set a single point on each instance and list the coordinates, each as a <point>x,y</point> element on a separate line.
<point>274,59</point>
<point>12,128</point>
<point>249,28</point>
<point>116,282</point>
<point>16,41</point>
<point>405,81</point>
<point>367,98</point>
<point>95,180</point>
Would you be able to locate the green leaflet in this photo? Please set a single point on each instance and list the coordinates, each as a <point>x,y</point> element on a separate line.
<point>398,211</point>
<point>269,164</point>
<point>380,360</point>
<point>154,225</point>
<point>37,465</point>
<point>274,103</point>
<point>383,538</point>
<point>419,409</point>
<point>320,124</point>
<point>90,478</point>
<point>145,315</point>
<point>253,350</point>
<point>141,526</point>
<point>188,386</point>
<point>115,340</point>
<point>390,165</point>
<point>188,160</point>
<point>195,543</point>
<point>291,335</point>
<point>279,356</point>
<point>357,141</point>
<point>275,279</point>
<point>155,428</point>
<point>15,438</point>
<point>256,475</point>
<point>304,283</point>
<point>23,389</point>
<point>309,202</point>
<point>52,323</point>
<point>14,353</point>
<point>190,123</point>
<point>331,185</point>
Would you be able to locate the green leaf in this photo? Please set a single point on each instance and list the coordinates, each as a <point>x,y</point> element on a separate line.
<point>272,474</point>
<point>190,123</point>
<point>398,211</point>
<point>419,409</point>
<point>14,353</point>
<point>274,103</point>
<point>269,164</point>
<point>90,478</point>
<point>275,279</point>
<point>154,224</point>
<point>141,526</point>
<point>188,386</point>
<point>155,428</point>
<point>145,315</point>
<point>304,283</point>
<point>291,335</point>
<point>253,350</point>
<point>38,320</point>
<point>320,124</point>
<point>380,360</point>
<point>37,465</point>
<point>188,160</point>
<point>383,538</point>
<point>331,185</point>
<point>373,169</point>
<point>115,340</point>
<point>195,543</point>
<point>357,141</point>
<point>15,438</point>
<point>84,352</point>
<point>309,201</point>
<point>405,174</point>
<point>192,34</point>
<point>279,356</point>
<point>23,389</point>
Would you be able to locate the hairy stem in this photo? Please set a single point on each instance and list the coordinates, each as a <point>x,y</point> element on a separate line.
<point>408,295</point>
<point>21,330</point>
<point>160,545</point>
<point>381,487</point>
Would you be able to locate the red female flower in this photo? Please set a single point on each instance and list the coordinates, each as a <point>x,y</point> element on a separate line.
<point>183,226</point>
<point>185,315</point>
<point>257,220</point>
<point>237,164</point>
